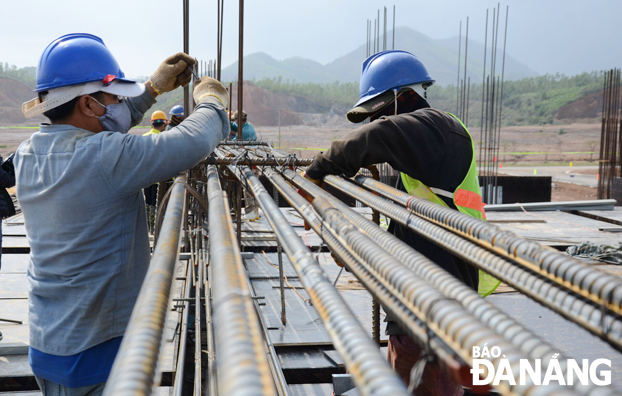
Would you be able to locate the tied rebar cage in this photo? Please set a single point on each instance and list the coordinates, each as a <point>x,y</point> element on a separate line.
<point>434,308</point>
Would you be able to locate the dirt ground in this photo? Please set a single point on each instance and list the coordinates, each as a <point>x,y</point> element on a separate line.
<point>571,192</point>
<point>306,142</point>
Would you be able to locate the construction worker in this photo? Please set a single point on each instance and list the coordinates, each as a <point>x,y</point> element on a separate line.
<point>158,123</point>
<point>177,116</point>
<point>79,181</point>
<point>433,151</point>
<point>248,130</point>
<point>251,212</point>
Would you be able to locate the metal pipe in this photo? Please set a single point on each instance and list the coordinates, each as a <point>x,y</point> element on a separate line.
<point>369,369</point>
<point>533,284</point>
<point>241,362</point>
<point>134,368</point>
<point>523,339</point>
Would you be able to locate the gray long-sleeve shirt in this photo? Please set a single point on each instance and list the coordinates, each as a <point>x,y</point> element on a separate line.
<point>81,195</point>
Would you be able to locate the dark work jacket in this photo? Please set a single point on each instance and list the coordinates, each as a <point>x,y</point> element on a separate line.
<point>428,145</point>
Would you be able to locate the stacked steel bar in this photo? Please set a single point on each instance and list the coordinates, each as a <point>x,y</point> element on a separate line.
<point>610,164</point>
<point>241,362</point>
<point>134,368</point>
<point>428,316</point>
<point>369,369</point>
<point>583,294</point>
<point>451,287</point>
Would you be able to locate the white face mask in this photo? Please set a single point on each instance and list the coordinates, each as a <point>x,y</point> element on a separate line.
<point>118,117</point>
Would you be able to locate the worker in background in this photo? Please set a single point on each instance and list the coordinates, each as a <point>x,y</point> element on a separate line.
<point>7,209</point>
<point>251,212</point>
<point>158,123</point>
<point>248,130</point>
<point>79,181</point>
<point>177,116</point>
<point>433,151</point>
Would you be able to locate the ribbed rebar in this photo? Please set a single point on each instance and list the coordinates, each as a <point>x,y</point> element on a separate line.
<point>134,368</point>
<point>283,161</point>
<point>367,366</point>
<point>598,286</point>
<point>241,363</point>
<point>560,299</point>
<point>444,317</point>
<point>487,313</point>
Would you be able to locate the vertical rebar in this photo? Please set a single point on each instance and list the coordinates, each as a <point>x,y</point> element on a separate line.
<point>458,78</point>
<point>466,51</point>
<point>186,35</point>
<point>393,46</point>
<point>279,247</point>
<point>481,125</point>
<point>500,107</point>
<point>384,31</point>
<point>240,70</point>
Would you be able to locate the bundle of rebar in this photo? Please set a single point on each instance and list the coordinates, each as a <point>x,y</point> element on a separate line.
<point>610,164</point>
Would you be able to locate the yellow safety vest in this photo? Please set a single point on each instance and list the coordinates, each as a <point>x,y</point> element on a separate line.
<point>153,131</point>
<point>467,198</point>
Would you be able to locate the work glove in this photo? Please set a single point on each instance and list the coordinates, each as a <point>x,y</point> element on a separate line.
<point>172,73</point>
<point>208,87</point>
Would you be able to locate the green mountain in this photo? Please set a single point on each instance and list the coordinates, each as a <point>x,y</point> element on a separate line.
<point>439,56</point>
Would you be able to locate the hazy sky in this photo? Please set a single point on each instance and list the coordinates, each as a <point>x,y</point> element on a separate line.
<point>568,36</point>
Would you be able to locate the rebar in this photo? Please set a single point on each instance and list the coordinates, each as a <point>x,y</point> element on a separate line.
<point>445,318</point>
<point>241,362</point>
<point>487,313</point>
<point>286,161</point>
<point>610,163</point>
<point>368,367</point>
<point>595,285</point>
<point>547,291</point>
<point>134,368</point>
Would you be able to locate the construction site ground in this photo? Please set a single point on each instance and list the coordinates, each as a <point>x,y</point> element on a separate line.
<point>303,346</point>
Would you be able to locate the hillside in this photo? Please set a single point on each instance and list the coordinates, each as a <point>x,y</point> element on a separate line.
<point>12,94</point>
<point>439,56</point>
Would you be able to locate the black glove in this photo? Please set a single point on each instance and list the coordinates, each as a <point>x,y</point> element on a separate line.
<point>7,164</point>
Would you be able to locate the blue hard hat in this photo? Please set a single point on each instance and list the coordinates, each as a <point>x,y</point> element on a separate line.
<point>386,71</point>
<point>177,111</point>
<point>76,58</point>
